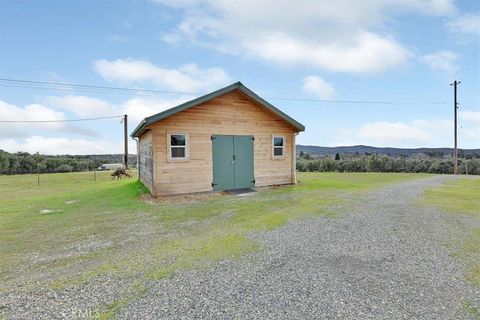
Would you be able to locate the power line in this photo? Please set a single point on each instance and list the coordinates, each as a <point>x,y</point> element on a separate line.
<point>334,101</point>
<point>145,92</point>
<point>12,85</point>
<point>62,120</point>
<point>60,84</point>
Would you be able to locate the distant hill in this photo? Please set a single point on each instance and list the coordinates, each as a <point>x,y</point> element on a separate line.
<point>361,149</point>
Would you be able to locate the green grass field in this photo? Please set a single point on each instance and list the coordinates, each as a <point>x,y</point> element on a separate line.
<point>71,229</point>
<point>95,227</point>
<point>462,197</point>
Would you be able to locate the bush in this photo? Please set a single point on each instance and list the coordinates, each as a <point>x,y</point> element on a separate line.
<point>375,163</point>
<point>64,168</point>
<point>24,162</point>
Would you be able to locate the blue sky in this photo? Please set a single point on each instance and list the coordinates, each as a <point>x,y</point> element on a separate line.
<point>406,52</point>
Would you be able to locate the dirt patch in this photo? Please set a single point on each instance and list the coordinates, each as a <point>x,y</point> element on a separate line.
<point>49,211</point>
<point>201,196</point>
<point>182,198</point>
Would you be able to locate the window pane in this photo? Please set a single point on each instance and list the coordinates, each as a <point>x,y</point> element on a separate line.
<point>178,152</point>
<point>278,151</point>
<point>278,141</point>
<point>177,140</point>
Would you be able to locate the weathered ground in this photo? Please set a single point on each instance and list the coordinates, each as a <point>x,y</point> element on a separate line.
<point>385,254</point>
<point>384,258</point>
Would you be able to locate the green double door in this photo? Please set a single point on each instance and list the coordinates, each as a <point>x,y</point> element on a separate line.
<point>232,162</point>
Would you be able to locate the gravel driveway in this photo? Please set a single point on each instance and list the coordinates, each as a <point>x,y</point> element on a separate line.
<point>383,258</point>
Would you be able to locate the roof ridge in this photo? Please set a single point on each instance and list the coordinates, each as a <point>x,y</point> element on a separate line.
<point>140,129</point>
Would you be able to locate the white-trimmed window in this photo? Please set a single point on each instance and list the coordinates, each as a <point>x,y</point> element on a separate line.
<point>178,145</point>
<point>278,144</point>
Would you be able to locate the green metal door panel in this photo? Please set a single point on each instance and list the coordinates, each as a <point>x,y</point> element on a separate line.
<point>223,163</point>
<point>243,154</point>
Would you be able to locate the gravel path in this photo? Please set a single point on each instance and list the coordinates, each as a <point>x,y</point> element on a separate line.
<point>382,258</point>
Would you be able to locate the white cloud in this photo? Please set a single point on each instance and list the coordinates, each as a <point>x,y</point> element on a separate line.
<point>465,24</point>
<point>187,78</point>
<point>366,52</point>
<point>138,109</point>
<point>318,86</point>
<point>387,133</point>
<point>470,117</point>
<point>412,134</point>
<point>342,35</point>
<point>171,38</point>
<point>432,7</point>
<point>83,106</point>
<point>55,146</point>
<point>445,61</point>
<point>31,112</point>
<point>34,112</point>
<point>31,137</point>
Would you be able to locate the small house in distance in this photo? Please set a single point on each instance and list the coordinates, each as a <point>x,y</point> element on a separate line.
<point>110,166</point>
<point>228,139</point>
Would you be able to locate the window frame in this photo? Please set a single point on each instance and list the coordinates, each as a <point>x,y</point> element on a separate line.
<point>186,147</point>
<point>283,147</point>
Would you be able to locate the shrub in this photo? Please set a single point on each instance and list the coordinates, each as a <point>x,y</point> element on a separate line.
<point>64,168</point>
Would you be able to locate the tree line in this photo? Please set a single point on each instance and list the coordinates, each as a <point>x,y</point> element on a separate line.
<point>384,163</point>
<point>24,162</point>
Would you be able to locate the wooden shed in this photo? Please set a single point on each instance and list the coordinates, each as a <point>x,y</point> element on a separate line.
<point>228,139</point>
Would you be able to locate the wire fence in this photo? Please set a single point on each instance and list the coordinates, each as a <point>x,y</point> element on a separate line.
<point>92,176</point>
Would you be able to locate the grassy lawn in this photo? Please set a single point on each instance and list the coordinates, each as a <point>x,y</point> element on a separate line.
<point>71,229</point>
<point>462,196</point>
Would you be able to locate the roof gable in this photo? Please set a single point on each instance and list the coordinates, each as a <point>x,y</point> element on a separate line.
<point>141,128</point>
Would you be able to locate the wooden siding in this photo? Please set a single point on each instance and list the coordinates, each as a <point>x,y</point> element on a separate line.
<point>146,160</point>
<point>231,114</point>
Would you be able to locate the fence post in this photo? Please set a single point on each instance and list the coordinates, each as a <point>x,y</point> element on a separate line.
<point>38,174</point>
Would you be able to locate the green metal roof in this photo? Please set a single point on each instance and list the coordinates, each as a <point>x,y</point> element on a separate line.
<point>141,128</point>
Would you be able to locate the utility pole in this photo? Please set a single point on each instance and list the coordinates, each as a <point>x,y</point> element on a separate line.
<point>455,107</point>
<point>125,137</point>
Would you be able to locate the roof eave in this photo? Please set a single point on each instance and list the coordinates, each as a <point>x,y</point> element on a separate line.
<point>139,129</point>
